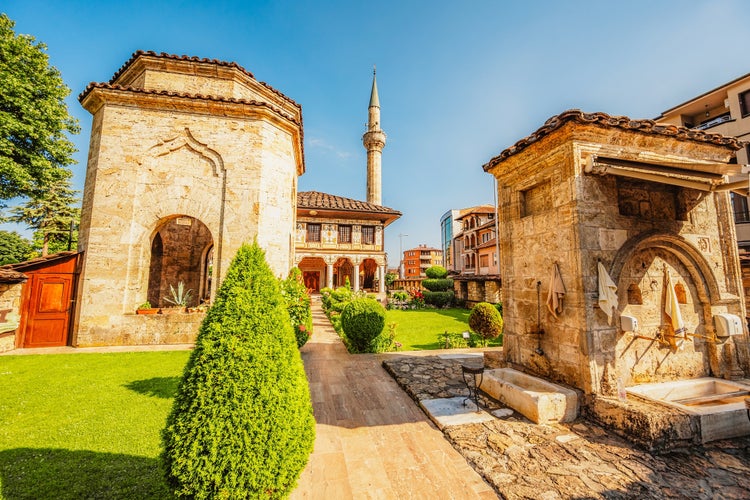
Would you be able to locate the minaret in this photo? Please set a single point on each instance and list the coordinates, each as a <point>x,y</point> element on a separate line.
<point>374,141</point>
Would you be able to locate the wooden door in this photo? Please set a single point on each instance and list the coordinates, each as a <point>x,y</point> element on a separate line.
<point>312,280</point>
<point>49,308</point>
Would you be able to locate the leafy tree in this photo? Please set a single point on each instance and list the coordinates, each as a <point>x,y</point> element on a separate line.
<point>242,424</point>
<point>34,149</point>
<point>436,272</point>
<point>14,248</point>
<point>50,214</point>
<point>298,305</point>
<point>363,320</point>
<point>390,278</point>
<point>486,321</point>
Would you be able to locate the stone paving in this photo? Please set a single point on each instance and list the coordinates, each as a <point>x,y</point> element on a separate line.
<point>579,460</point>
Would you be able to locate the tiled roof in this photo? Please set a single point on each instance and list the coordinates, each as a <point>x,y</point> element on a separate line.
<point>476,209</point>
<point>164,55</point>
<point>185,95</point>
<point>325,201</point>
<point>25,265</point>
<point>607,121</point>
<point>11,276</point>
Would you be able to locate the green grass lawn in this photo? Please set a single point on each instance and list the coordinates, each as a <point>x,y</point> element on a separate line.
<point>422,329</point>
<point>85,425</point>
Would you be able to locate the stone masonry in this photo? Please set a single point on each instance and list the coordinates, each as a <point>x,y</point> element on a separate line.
<point>642,224</point>
<point>178,137</point>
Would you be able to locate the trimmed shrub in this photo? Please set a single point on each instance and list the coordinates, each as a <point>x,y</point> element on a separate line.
<point>242,424</point>
<point>438,285</point>
<point>438,299</point>
<point>436,272</point>
<point>298,305</point>
<point>486,321</point>
<point>362,320</point>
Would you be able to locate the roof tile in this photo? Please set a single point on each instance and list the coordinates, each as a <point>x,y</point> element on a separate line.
<point>605,120</point>
<point>325,201</point>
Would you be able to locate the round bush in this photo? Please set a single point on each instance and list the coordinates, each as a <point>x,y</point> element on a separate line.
<point>437,285</point>
<point>362,321</point>
<point>436,272</point>
<point>241,424</point>
<point>438,299</point>
<point>486,321</point>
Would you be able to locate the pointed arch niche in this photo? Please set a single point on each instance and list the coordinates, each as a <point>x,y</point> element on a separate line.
<point>181,251</point>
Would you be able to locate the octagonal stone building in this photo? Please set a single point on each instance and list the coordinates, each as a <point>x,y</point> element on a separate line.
<point>188,159</point>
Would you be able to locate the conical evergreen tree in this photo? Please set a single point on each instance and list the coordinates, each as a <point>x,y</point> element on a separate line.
<point>242,423</point>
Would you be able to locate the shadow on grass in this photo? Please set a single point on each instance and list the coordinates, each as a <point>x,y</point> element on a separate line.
<point>160,387</point>
<point>67,474</point>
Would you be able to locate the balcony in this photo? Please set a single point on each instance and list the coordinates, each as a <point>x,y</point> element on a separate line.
<point>718,120</point>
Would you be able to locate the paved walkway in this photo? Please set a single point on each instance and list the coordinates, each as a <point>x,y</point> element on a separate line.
<point>372,440</point>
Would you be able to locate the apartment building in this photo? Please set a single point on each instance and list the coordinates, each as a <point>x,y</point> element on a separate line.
<point>417,260</point>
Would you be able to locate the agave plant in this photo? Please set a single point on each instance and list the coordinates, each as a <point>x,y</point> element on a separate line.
<point>180,297</point>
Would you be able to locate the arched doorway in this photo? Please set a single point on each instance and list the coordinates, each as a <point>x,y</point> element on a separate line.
<point>181,251</point>
<point>343,270</point>
<point>368,273</point>
<point>313,273</point>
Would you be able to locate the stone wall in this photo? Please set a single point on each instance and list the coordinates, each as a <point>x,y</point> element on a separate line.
<point>475,290</point>
<point>10,299</point>
<point>154,158</point>
<point>553,213</point>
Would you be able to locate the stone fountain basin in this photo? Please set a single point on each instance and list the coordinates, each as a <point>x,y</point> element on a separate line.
<point>537,399</point>
<point>718,404</point>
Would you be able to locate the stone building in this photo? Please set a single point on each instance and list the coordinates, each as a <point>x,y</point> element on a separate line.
<point>339,239</point>
<point>650,203</point>
<point>188,159</point>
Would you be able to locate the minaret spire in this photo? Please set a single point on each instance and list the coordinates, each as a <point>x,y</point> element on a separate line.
<point>374,142</point>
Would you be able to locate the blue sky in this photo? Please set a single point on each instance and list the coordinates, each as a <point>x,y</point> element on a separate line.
<point>458,81</point>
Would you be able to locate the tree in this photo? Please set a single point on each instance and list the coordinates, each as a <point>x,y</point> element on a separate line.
<point>363,320</point>
<point>242,424</point>
<point>298,305</point>
<point>486,321</point>
<point>51,214</point>
<point>34,149</point>
<point>13,248</point>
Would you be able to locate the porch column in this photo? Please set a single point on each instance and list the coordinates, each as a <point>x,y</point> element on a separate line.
<point>329,275</point>
<point>381,279</point>
<point>356,275</point>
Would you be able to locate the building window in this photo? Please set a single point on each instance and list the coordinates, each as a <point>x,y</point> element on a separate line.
<point>368,235</point>
<point>745,103</point>
<point>345,234</point>
<point>313,233</point>
<point>740,207</point>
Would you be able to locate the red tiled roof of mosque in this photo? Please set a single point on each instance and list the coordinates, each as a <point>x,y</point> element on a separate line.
<point>623,122</point>
<point>324,201</point>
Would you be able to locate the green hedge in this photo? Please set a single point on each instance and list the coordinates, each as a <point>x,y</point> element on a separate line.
<point>439,299</point>
<point>438,285</point>
<point>298,305</point>
<point>242,424</point>
<point>486,321</point>
<point>362,320</point>
<point>436,272</point>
